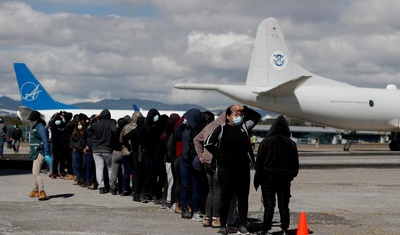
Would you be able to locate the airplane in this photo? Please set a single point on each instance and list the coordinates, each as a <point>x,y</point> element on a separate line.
<point>35,97</point>
<point>275,82</point>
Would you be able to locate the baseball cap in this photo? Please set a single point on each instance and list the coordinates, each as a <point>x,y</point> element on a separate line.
<point>35,115</point>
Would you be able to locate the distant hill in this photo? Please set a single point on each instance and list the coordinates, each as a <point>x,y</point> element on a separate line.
<point>127,104</point>
<point>8,103</point>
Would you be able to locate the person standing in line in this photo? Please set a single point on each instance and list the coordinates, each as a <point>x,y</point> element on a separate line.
<point>129,154</point>
<point>174,150</point>
<point>230,143</point>
<point>104,129</point>
<point>60,138</point>
<point>150,134</point>
<point>116,160</point>
<point>77,147</point>
<point>276,166</point>
<point>212,216</point>
<point>16,138</point>
<point>170,159</point>
<point>3,135</point>
<point>39,153</point>
<point>88,167</point>
<point>187,129</point>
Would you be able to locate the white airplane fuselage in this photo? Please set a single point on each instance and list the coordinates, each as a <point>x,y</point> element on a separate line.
<point>275,82</point>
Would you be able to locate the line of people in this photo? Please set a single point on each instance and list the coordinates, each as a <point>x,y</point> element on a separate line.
<point>193,165</point>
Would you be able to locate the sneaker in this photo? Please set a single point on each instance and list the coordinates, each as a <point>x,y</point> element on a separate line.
<point>34,193</point>
<point>53,176</point>
<point>186,214</point>
<point>223,230</point>
<point>102,190</point>
<point>206,222</point>
<point>136,197</point>
<point>242,230</point>
<point>125,193</point>
<point>42,195</point>
<point>196,217</point>
<point>216,223</point>
<point>143,198</point>
<point>158,201</point>
<point>93,187</point>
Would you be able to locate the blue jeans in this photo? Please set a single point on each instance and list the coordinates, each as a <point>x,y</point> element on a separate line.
<point>15,145</point>
<point>189,183</point>
<point>88,166</point>
<point>77,157</point>
<point>127,162</point>
<point>1,146</point>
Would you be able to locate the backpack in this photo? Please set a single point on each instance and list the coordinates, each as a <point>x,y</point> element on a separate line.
<point>35,142</point>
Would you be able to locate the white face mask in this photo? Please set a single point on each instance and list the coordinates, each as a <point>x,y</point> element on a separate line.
<point>237,120</point>
<point>57,122</point>
<point>79,127</point>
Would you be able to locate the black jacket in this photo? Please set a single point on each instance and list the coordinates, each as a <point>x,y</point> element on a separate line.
<point>277,153</point>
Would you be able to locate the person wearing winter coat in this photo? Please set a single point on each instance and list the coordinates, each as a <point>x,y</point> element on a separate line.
<point>276,166</point>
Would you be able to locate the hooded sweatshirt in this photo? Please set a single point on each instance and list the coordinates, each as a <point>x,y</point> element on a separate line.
<point>277,153</point>
<point>127,128</point>
<point>192,117</point>
<point>204,154</point>
<point>103,132</point>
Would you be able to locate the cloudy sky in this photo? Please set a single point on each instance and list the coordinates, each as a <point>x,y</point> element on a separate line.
<point>90,50</point>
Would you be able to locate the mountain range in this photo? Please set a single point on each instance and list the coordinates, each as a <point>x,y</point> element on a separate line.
<point>10,104</point>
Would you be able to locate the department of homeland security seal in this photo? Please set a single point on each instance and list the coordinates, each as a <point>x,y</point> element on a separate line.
<point>279,60</point>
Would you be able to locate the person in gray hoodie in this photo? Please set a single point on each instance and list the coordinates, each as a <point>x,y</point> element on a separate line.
<point>104,130</point>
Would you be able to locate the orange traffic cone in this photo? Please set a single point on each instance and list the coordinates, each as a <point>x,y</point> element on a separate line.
<point>302,228</point>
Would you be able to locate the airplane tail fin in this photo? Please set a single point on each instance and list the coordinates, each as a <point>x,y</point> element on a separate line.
<point>33,94</point>
<point>271,64</point>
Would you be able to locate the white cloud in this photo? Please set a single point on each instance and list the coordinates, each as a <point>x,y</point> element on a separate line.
<point>82,55</point>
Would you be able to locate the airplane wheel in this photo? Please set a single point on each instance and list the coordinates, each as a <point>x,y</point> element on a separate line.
<point>394,145</point>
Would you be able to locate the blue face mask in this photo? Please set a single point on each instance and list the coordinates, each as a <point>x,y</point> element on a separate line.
<point>237,120</point>
<point>1,119</point>
<point>57,122</point>
<point>155,118</point>
<point>79,127</point>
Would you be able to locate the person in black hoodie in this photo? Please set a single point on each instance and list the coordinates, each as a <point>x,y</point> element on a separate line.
<point>60,138</point>
<point>230,144</point>
<point>276,166</point>
<point>104,130</point>
<point>150,134</point>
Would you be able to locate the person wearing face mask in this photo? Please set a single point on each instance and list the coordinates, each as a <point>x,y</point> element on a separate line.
<point>39,152</point>
<point>60,139</point>
<point>3,135</point>
<point>16,138</point>
<point>230,144</point>
<point>77,146</point>
<point>150,134</point>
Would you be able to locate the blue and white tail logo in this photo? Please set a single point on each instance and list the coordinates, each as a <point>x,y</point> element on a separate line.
<point>33,94</point>
<point>30,91</point>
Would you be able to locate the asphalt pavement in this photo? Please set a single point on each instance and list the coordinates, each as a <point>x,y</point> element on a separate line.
<point>353,192</point>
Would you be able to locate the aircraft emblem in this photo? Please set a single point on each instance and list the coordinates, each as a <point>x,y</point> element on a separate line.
<point>279,60</point>
<point>30,91</point>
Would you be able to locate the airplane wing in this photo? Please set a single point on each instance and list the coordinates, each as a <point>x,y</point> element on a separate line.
<point>284,89</point>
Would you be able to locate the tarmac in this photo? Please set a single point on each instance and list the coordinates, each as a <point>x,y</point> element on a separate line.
<point>354,192</point>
